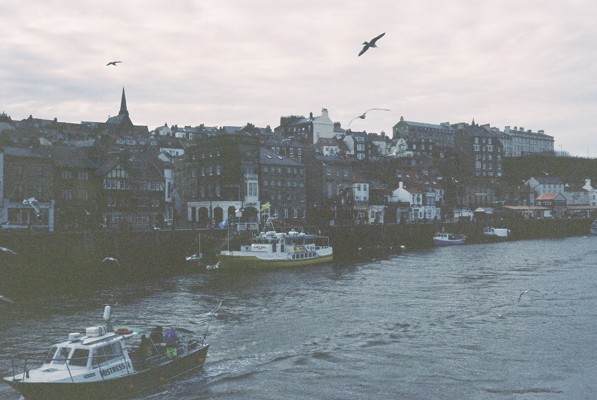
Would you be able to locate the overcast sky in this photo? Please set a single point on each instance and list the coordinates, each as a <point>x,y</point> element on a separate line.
<point>229,62</point>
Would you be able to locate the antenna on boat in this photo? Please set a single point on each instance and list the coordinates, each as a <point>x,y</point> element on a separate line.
<point>212,313</point>
<point>107,315</point>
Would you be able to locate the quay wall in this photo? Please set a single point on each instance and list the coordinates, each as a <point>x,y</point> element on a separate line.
<point>75,258</point>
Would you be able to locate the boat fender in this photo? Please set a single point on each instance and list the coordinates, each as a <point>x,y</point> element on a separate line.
<point>123,331</point>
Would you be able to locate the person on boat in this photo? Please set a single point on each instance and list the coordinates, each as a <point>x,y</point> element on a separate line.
<point>144,351</point>
<point>157,339</point>
<point>171,340</point>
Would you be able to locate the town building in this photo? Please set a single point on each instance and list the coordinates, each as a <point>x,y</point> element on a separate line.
<point>479,149</point>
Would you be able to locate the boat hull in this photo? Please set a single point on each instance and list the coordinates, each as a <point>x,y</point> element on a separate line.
<point>250,262</point>
<point>445,242</point>
<point>117,388</point>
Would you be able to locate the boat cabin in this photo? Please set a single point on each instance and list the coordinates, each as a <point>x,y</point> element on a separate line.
<point>291,242</point>
<point>92,356</point>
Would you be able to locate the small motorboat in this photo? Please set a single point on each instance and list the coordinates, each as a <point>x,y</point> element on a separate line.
<point>447,239</point>
<point>107,363</point>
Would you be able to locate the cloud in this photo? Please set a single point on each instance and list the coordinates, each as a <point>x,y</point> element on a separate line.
<point>232,62</point>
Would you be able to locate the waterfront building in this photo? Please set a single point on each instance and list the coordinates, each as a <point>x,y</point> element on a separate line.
<point>75,187</point>
<point>544,184</point>
<point>282,184</point>
<point>132,195</point>
<point>26,176</point>
<point>224,177</point>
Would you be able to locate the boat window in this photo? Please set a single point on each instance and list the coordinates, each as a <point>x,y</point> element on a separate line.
<point>61,355</point>
<point>106,353</point>
<point>50,355</point>
<point>79,357</point>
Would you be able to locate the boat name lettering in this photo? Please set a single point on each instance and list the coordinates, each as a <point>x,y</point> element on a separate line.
<point>260,247</point>
<point>113,369</point>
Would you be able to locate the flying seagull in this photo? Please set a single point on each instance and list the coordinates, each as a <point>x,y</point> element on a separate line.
<point>363,115</point>
<point>6,299</point>
<point>526,291</point>
<point>113,63</point>
<point>111,259</point>
<point>366,45</point>
<point>33,203</point>
<point>8,251</point>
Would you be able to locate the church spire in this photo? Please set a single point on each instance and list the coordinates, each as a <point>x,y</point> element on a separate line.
<point>123,109</point>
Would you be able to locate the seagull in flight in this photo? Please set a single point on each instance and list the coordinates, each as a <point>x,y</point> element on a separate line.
<point>6,299</point>
<point>33,203</point>
<point>113,63</point>
<point>363,115</point>
<point>526,291</point>
<point>371,43</point>
<point>8,251</point>
<point>111,259</point>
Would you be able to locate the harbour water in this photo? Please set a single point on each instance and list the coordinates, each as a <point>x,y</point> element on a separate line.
<point>443,323</point>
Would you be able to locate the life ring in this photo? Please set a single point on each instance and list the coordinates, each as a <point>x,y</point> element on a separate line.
<point>123,331</point>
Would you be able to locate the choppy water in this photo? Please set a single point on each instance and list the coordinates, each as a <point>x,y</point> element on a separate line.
<point>440,324</point>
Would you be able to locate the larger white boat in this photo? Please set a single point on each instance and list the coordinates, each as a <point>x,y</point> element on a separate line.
<point>106,363</point>
<point>498,233</point>
<point>271,250</point>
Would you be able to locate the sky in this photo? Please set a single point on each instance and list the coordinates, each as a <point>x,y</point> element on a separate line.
<point>517,63</point>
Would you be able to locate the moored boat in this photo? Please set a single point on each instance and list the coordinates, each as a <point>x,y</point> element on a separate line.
<point>594,227</point>
<point>497,233</point>
<point>106,363</point>
<point>271,250</point>
<point>448,239</point>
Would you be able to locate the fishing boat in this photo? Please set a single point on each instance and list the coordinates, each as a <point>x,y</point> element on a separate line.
<point>448,239</point>
<point>594,227</point>
<point>272,250</point>
<point>107,363</point>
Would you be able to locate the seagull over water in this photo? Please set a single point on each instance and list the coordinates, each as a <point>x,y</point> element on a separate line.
<point>363,115</point>
<point>6,299</point>
<point>371,43</point>
<point>526,291</point>
<point>113,63</point>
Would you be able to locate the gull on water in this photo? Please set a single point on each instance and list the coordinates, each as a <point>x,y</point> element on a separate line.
<point>7,250</point>
<point>371,43</point>
<point>111,259</point>
<point>526,291</point>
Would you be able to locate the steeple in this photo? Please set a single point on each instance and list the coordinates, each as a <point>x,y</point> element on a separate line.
<point>123,109</point>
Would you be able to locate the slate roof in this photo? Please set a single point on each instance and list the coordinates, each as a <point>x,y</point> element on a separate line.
<point>69,157</point>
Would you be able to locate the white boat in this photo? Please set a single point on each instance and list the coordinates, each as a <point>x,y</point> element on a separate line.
<point>499,233</point>
<point>197,257</point>
<point>271,250</point>
<point>448,239</point>
<point>594,227</point>
<point>106,363</point>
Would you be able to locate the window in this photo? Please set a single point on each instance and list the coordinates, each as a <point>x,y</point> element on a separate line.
<point>66,175</point>
<point>79,357</point>
<point>106,353</point>
<point>83,175</point>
